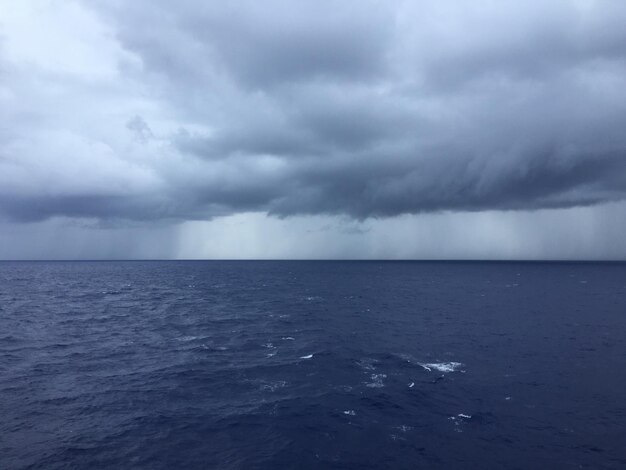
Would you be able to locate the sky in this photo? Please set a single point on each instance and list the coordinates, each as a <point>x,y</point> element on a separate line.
<point>312,129</point>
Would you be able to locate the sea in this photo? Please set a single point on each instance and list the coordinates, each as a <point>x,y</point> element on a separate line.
<point>312,365</point>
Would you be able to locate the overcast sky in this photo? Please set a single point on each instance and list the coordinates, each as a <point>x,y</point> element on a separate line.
<point>312,129</point>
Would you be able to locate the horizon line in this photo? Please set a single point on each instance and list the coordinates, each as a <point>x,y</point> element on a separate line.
<point>415,260</point>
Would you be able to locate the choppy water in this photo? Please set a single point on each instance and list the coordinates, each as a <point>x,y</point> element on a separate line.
<point>312,365</point>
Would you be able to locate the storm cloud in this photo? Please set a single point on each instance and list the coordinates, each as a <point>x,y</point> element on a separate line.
<point>158,110</point>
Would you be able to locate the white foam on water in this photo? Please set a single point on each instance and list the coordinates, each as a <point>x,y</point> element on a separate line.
<point>273,386</point>
<point>306,357</point>
<point>377,381</point>
<point>208,347</point>
<point>288,338</point>
<point>412,384</point>
<point>187,338</point>
<point>350,412</point>
<point>464,416</point>
<point>441,366</point>
<point>457,423</point>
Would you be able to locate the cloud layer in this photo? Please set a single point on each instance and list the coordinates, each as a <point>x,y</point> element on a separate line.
<point>154,110</point>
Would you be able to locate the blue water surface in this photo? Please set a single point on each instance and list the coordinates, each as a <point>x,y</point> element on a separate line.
<point>306,365</point>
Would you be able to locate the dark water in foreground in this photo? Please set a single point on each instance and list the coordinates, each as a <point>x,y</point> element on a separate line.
<point>312,365</point>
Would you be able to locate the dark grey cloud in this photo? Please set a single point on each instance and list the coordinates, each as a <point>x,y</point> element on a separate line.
<point>365,109</point>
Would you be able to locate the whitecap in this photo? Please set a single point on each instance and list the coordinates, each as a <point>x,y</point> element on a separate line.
<point>457,423</point>
<point>464,416</point>
<point>306,357</point>
<point>350,412</point>
<point>377,381</point>
<point>441,366</point>
<point>412,384</point>
<point>288,338</point>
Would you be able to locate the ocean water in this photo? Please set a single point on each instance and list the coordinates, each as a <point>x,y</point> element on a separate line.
<point>307,365</point>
